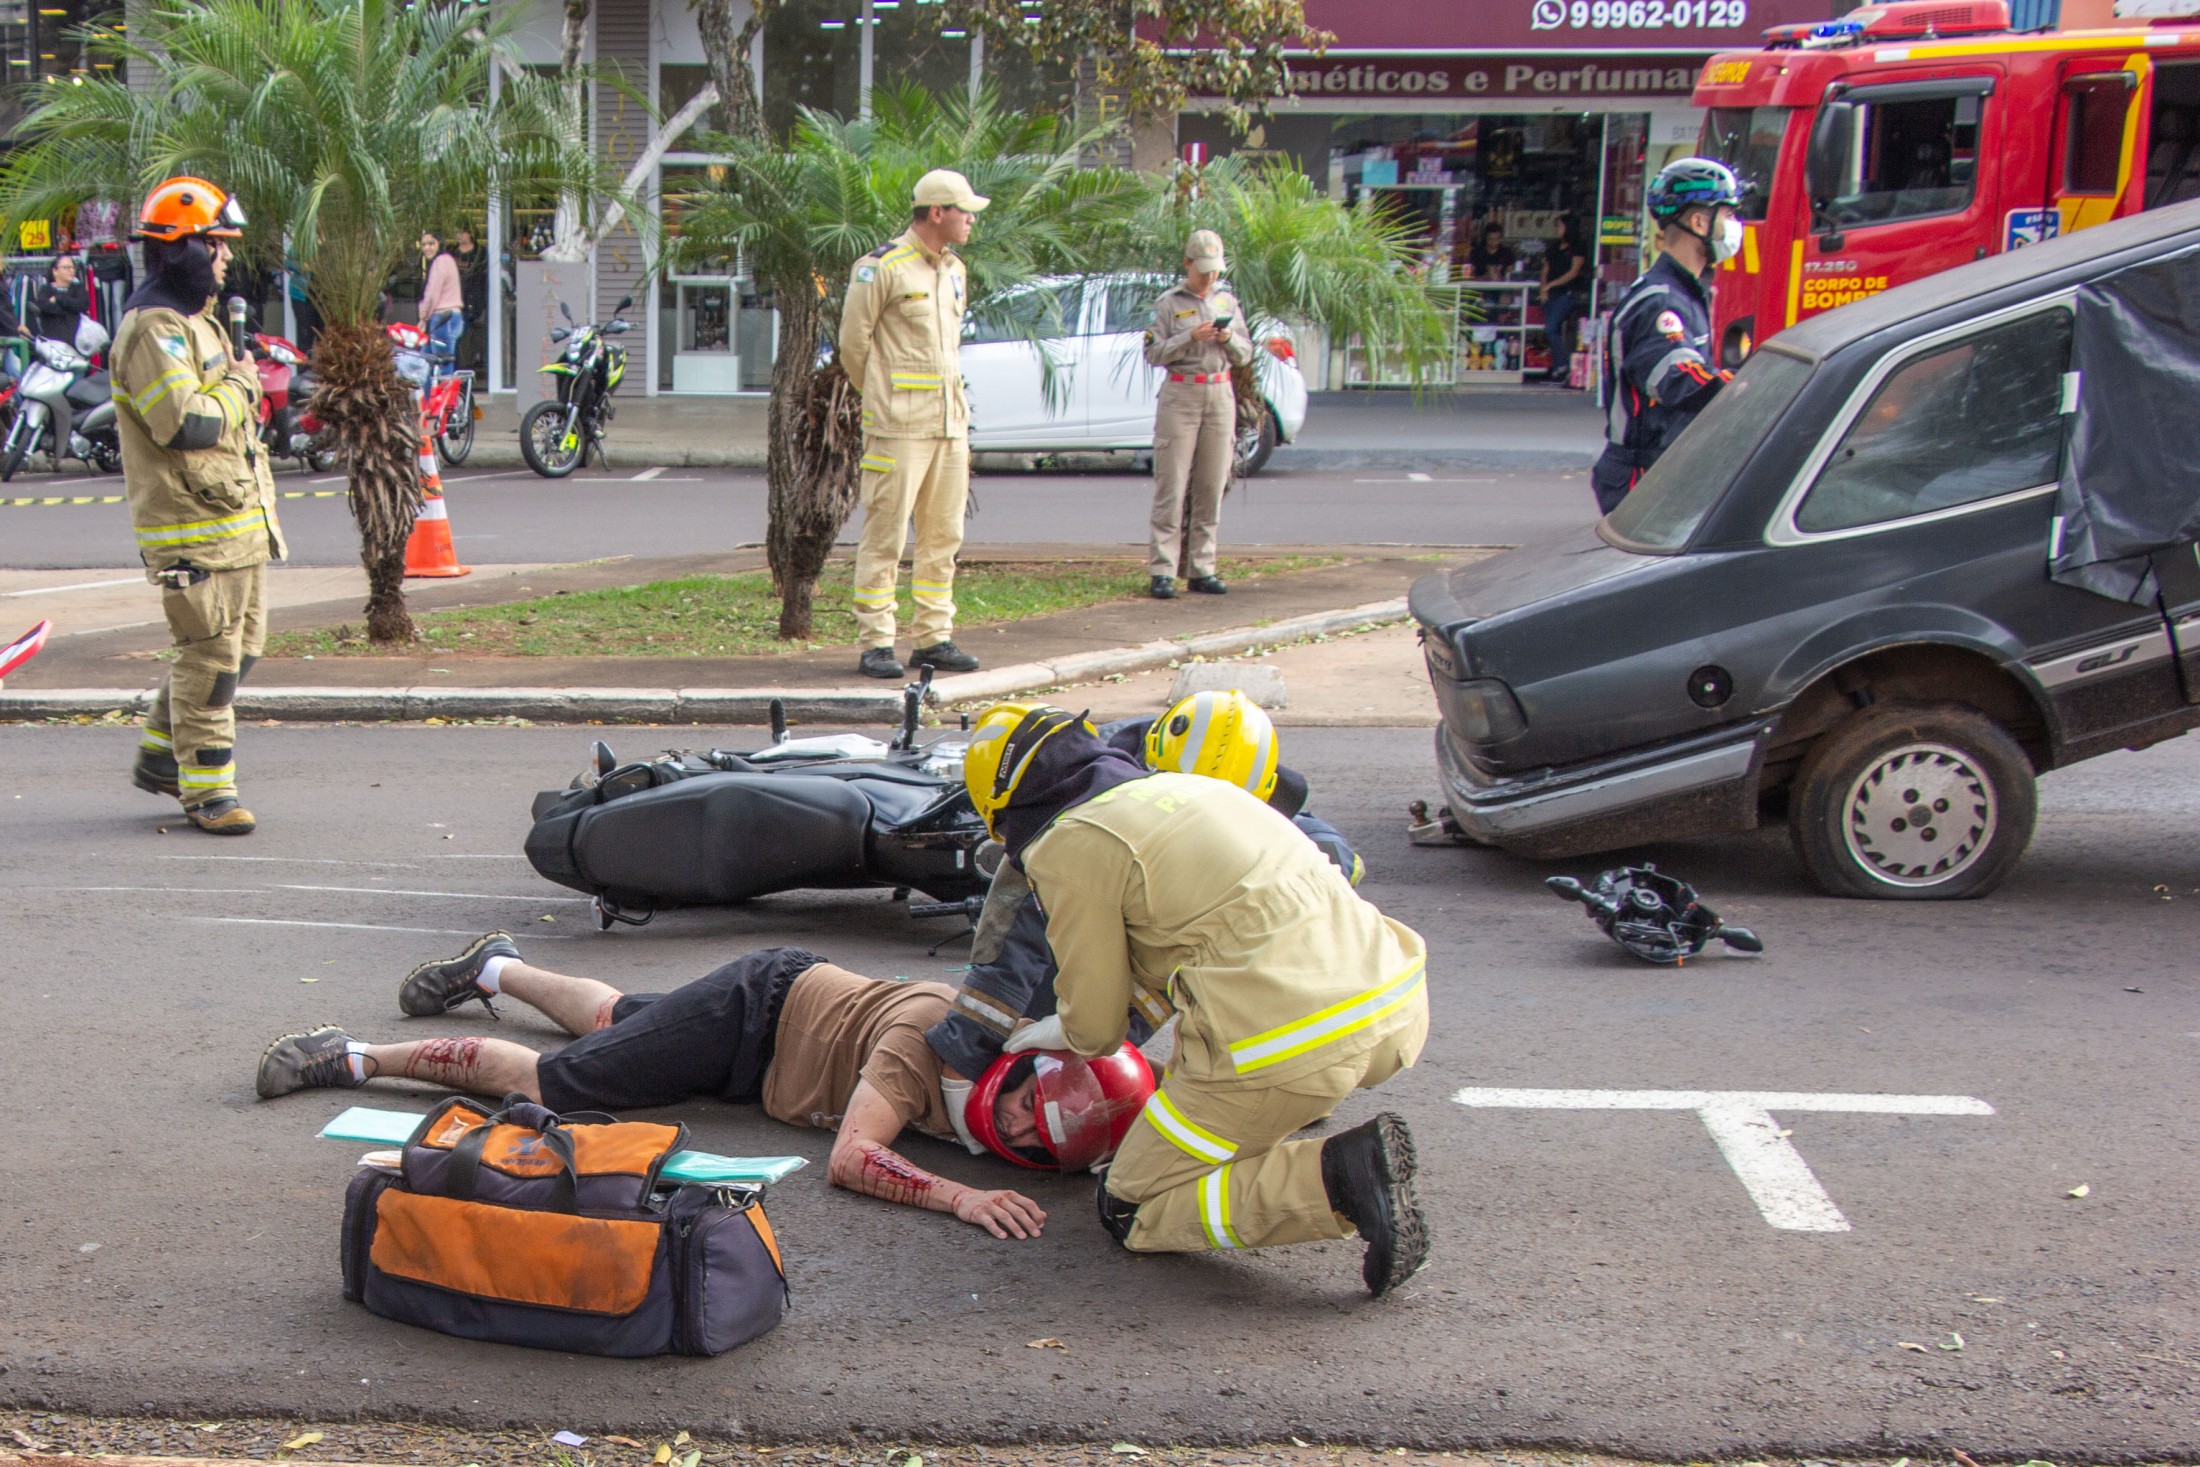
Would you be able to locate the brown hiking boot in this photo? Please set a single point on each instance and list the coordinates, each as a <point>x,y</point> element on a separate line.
<point>225,816</point>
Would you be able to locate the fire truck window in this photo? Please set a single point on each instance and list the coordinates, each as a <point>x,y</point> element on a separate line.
<point>1968,422</point>
<point>1912,159</point>
<point>2173,129</point>
<point>1747,140</point>
<point>2093,135</point>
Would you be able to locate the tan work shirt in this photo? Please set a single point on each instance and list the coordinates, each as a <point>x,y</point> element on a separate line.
<point>199,487</point>
<point>838,1027</point>
<point>901,340</point>
<point>1187,888</point>
<point>1169,339</point>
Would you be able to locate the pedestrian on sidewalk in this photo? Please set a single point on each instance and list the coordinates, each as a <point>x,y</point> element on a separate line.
<point>442,298</point>
<point>1197,334</point>
<point>201,498</point>
<point>901,346</point>
<point>61,301</point>
<point>1565,284</point>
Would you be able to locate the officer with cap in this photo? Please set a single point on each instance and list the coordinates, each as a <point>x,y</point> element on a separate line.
<point>1658,372</point>
<point>1197,334</point>
<point>202,500</point>
<point>900,344</point>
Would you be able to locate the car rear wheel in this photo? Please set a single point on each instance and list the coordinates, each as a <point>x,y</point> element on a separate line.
<point>1913,802</point>
<point>1254,445</point>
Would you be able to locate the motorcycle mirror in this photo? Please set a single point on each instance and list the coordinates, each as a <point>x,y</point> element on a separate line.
<point>1741,939</point>
<point>779,721</point>
<point>559,333</point>
<point>618,328</point>
<point>1565,887</point>
<point>565,311</point>
<point>624,302</point>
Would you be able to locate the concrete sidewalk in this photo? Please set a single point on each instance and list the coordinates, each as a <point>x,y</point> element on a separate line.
<point>1530,427</point>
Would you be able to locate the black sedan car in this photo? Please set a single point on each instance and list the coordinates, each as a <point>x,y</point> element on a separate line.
<point>1844,597</point>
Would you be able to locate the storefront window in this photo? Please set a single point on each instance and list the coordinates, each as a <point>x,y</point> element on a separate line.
<point>39,42</point>
<point>813,57</point>
<point>914,45</point>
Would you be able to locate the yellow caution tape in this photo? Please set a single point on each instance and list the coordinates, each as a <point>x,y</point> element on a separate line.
<point>117,498</point>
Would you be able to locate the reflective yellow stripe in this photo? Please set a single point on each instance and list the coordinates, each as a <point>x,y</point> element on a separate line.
<point>234,411</point>
<point>1334,1022</point>
<point>914,384</point>
<point>159,388</point>
<point>153,738</point>
<point>205,776</point>
<point>931,585</point>
<point>878,463</point>
<point>875,598</point>
<point>895,257</point>
<point>226,528</point>
<point>1194,1141</point>
<point>1214,1208</point>
<point>1153,1006</point>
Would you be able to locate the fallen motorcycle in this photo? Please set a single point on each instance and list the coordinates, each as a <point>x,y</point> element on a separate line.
<point>718,827</point>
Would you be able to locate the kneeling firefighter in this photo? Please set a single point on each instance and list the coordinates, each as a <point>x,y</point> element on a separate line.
<point>1170,893</point>
<point>201,498</point>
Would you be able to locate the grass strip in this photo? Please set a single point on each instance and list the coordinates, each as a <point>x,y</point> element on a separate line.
<point>738,616</point>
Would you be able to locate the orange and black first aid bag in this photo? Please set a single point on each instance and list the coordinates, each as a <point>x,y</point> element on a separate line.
<point>527,1228</point>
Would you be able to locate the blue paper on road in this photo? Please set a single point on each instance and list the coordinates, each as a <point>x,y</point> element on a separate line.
<point>395,1128</point>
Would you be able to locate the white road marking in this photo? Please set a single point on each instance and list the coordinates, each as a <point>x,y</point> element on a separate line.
<point>1423,479</point>
<point>1777,1178</point>
<point>1413,478</point>
<point>468,896</point>
<point>80,586</point>
<point>331,479</point>
<point>370,927</point>
<point>648,474</point>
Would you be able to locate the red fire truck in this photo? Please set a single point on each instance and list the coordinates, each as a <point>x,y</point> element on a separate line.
<point>1906,138</point>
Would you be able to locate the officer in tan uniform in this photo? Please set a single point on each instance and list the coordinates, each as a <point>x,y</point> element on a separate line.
<point>202,500</point>
<point>901,345</point>
<point>1178,892</point>
<point>1197,333</point>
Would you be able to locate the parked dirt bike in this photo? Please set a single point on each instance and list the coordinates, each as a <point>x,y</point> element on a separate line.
<point>65,406</point>
<point>718,827</point>
<point>557,437</point>
<point>288,428</point>
<point>446,393</point>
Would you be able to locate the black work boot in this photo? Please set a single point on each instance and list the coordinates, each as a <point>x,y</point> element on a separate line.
<point>879,662</point>
<point>1368,1174</point>
<point>1116,1215</point>
<point>945,656</point>
<point>225,816</point>
<point>155,772</point>
<point>438,987</point>
<point>1209,585</point>
<point>1162,588</point>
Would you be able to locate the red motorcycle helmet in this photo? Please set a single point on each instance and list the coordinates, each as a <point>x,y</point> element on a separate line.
<point>1085,1107</point>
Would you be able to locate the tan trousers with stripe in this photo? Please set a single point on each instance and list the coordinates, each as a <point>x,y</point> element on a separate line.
<point>1194,440</point>
<point>1209,1164</point>
<point>928,480</point>
<point>217,624</point>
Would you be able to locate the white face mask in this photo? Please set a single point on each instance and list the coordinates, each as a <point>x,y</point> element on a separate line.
<point>1726,239</point>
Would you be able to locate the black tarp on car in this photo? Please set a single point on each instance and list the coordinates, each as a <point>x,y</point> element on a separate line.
<point>2131,476</point>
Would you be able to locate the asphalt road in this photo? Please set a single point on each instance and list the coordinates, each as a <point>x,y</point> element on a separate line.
<point>1600,1277</point>
<point>513,517</point>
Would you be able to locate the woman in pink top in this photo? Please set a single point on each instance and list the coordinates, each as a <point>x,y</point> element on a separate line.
<point>442,299</point>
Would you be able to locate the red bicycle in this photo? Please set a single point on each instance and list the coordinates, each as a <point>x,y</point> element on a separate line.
<point>447,405</point>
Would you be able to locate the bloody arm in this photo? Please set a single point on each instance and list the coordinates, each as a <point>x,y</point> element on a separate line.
<point>864,1161</point>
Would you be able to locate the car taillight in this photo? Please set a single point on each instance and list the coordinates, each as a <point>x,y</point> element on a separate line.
<point>1281,349</point>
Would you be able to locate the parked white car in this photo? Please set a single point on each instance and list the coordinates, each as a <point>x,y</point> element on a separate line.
<point>1093,330</point>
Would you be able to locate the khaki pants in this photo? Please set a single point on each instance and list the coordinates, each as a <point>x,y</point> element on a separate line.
<point>1194,441</point>
<point>1208,1165</point>
<point>218,625</point>
<point>924,478</point>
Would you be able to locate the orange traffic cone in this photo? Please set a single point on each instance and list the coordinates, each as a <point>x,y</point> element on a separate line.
<point>430,552</point>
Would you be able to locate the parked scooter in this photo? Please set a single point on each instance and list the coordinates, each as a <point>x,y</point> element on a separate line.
<point>66,406</point>
<point>288,428</point>
<point>556,437</point>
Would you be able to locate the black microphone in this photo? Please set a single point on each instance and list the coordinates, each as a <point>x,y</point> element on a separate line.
<point>237,312</point>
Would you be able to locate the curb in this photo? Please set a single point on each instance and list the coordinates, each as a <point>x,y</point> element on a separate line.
<point>702,705</point>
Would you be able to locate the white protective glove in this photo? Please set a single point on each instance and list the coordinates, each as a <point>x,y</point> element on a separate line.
<point>1045,1034</point>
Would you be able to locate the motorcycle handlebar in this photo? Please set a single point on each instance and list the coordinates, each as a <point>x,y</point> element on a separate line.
<point>968,908</point>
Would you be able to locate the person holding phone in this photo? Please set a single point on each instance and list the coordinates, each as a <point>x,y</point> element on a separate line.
<point>1197,335</point>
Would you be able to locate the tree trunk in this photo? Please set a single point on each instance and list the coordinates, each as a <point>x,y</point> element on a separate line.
<point>727,52</point>
<point>376,423</point>
<point>568,243</point>
<point>816,439</point>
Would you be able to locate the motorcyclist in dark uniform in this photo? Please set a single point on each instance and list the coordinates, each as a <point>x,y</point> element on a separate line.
<point>1659,369</point>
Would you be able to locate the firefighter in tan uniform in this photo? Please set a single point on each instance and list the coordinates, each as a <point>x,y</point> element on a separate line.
<point>202,500</point>
<point>1197,334</point>
<point>901,345</point>
<point>1177,892</point>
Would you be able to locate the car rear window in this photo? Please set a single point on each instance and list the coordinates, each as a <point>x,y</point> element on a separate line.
<point>1660,514</point>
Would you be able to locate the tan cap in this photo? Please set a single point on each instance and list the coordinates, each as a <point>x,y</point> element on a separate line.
<point>946,186</point>
<point>1203,251</point>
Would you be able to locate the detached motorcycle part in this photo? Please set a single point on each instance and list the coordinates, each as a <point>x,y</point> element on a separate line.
<point>912,707</point>
<point>608,914</point>
<point>1658,918</point>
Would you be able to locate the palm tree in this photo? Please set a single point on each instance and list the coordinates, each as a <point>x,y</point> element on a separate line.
<point>344,127</point>
<point>802,215</point>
